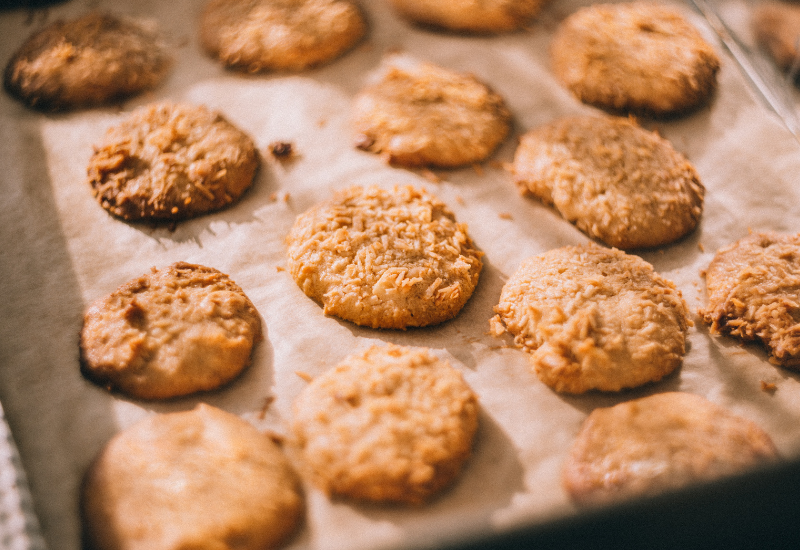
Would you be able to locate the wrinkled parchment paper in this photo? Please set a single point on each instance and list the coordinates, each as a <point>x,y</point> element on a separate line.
<point>60,251</point>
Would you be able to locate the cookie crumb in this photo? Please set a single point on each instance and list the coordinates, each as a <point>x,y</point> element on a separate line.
<point>280,268</point>
<point>768,387</point>
<point>700,247</point>
<point>430,176</point>
<point>282,150</point>
<point>304,375</point>
<point>460,200</point>
<point>478,169</point>
<point>265,406</point>
<point>505,216</point>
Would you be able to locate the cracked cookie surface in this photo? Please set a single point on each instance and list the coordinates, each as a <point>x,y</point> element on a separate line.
<point>616,181</point>
<point>384,258</point>
<point>171,332</point>
<point>87,61</point>
<point>391,424</point>
<point>168,162</point>
<point>593,318</point>
<point>753,290</point>
<point>638,57</point>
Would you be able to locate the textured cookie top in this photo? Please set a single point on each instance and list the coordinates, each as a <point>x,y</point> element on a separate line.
<point>86,61</point>
<point>616,181</point>
<point>168,162</point>
<point>171,332</point>
<point>479,16</point>
<point>263,35</point>
<point>201,479</point>
<point>658,443</point>
<point>390,424</point>
<point>593,318</point>
<point>384,259</point>
<point>418,114</point>
<point>754,293</point>
<point>641,57</point>
<point>776,26</point>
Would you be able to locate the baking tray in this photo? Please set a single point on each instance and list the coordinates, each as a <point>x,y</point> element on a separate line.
<point>61,251</point>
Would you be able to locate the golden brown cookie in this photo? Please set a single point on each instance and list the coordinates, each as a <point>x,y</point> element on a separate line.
<point>168,162</point>
<point>754,294</point>
<point>616,181</point>
<point>87,61</point>
<point>593,318</point>
<point>203,479</point>
<point>418,114</point>
<point>391,424</point>
<point>657,443</point>
<point>776,26</point>
<point>478,16</point>
<point>267,35</point>
<point>636,57</point>
<point>384,259</point>
<point>171,332</point>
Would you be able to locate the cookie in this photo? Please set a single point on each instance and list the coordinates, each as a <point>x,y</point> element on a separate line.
<point>616,181</point>
<point>418,114</point>
<point>175,331</point>
<point>168,162</point>
<point>202,479</point>
<point>754,294</point>
<point>659,443</point>
<point>635,57</point>
<point>92,60</point>
<point>391,424</point>
<point>475,16</point>
<point>384,259</point>
<point>776,26</point>
<point>279,35</point>
<point>593,318</point>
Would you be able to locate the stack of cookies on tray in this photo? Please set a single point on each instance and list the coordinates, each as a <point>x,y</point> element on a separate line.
<point>392,423</point>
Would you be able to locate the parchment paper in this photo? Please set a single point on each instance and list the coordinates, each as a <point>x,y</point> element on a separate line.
<point>60,251</point>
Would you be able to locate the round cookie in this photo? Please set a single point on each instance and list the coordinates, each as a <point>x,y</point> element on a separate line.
<point>168,162</point>
<point>478,16</point>
<point>657,443</point>
<point>616,181</point>
<point>593,318</point>
<point>753,294</point>
<point>266,35</point>
<point>418,114</point>
<point>202,479</point>
<point>384,259</point>
<point>171,332</point>
<point>391,424</point>
<point>637,57</point>
<point>776,26</point>
<point>87,61</point>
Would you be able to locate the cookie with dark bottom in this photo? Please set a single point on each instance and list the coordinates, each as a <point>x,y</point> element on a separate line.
<point>637,57</point>
<point>391,424</point>
<point>167,162</point>
<point>279,35</point>
<point>172,332</point>
<point>659,443</point>
<point>593,318</point>
<point>202,479</point>
<point>753,290</point>
<point>92,60</point>
<point>418,114</point>
<point>384,258</point>
<point>616,181</point>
